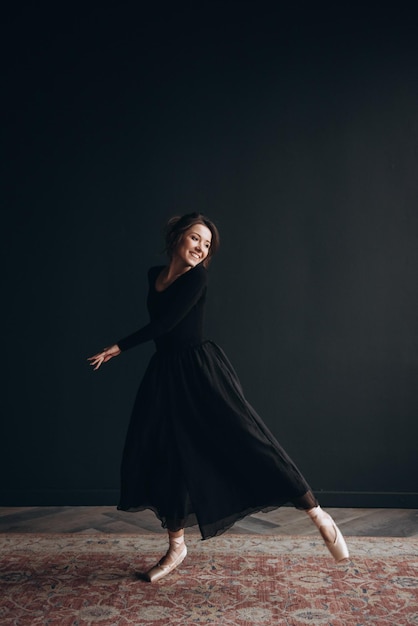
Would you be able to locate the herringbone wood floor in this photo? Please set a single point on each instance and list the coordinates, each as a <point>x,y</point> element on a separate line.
<point>283,521</point>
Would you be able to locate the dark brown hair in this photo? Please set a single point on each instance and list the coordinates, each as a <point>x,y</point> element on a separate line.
<point>178,225</point>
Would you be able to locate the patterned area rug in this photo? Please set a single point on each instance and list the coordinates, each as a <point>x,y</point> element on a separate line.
<point>238,580</point>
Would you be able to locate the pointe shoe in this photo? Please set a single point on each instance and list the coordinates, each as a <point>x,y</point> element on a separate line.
<point>326,526</point>
<point>159,571</point>
<point>338,547</point>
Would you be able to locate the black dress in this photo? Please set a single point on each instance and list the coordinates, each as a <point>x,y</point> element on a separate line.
<point>196,452</point>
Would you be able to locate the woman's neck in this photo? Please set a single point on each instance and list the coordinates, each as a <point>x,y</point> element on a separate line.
<point>174,270</point>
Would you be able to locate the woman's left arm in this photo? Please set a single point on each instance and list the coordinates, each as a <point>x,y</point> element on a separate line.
<point>189,291</point>
<point>104,356</point>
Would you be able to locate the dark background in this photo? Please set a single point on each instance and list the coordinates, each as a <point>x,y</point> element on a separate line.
<point>296,130</point>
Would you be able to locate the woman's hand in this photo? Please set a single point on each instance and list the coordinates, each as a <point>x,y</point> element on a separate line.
<point>104,356</point>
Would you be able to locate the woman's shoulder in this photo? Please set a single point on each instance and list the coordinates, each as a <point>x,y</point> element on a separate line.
<point>200,269</point>
<point>198,274</point>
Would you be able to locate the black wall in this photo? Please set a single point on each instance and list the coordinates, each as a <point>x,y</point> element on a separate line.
<point>296,130</point>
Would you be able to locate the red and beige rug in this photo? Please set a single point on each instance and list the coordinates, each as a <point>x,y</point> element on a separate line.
<point>236,580</point>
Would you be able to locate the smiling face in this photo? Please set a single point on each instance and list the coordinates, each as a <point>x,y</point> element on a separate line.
<point>193,247</point>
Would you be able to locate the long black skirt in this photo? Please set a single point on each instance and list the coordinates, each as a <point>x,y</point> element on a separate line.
<point>196,452</point>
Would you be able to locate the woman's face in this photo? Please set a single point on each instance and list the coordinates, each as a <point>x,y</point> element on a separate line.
<point>193,247</point>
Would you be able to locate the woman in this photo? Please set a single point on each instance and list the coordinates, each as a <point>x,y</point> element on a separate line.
<point>196,452</point>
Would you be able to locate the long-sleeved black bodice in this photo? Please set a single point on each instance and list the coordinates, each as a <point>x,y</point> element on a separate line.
<point>176,314</point>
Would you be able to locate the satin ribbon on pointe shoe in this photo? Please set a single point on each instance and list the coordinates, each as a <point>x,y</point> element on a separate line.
<point>159,571</point>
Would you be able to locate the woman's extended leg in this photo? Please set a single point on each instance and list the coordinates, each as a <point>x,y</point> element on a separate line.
<point>175,555</point>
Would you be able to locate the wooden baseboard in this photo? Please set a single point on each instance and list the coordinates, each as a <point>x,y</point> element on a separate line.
<point>368,499</point>
<point>109,497</point>
<point>52,497</point>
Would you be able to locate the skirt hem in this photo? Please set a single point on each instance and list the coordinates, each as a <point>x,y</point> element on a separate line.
<point>213,529</point>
